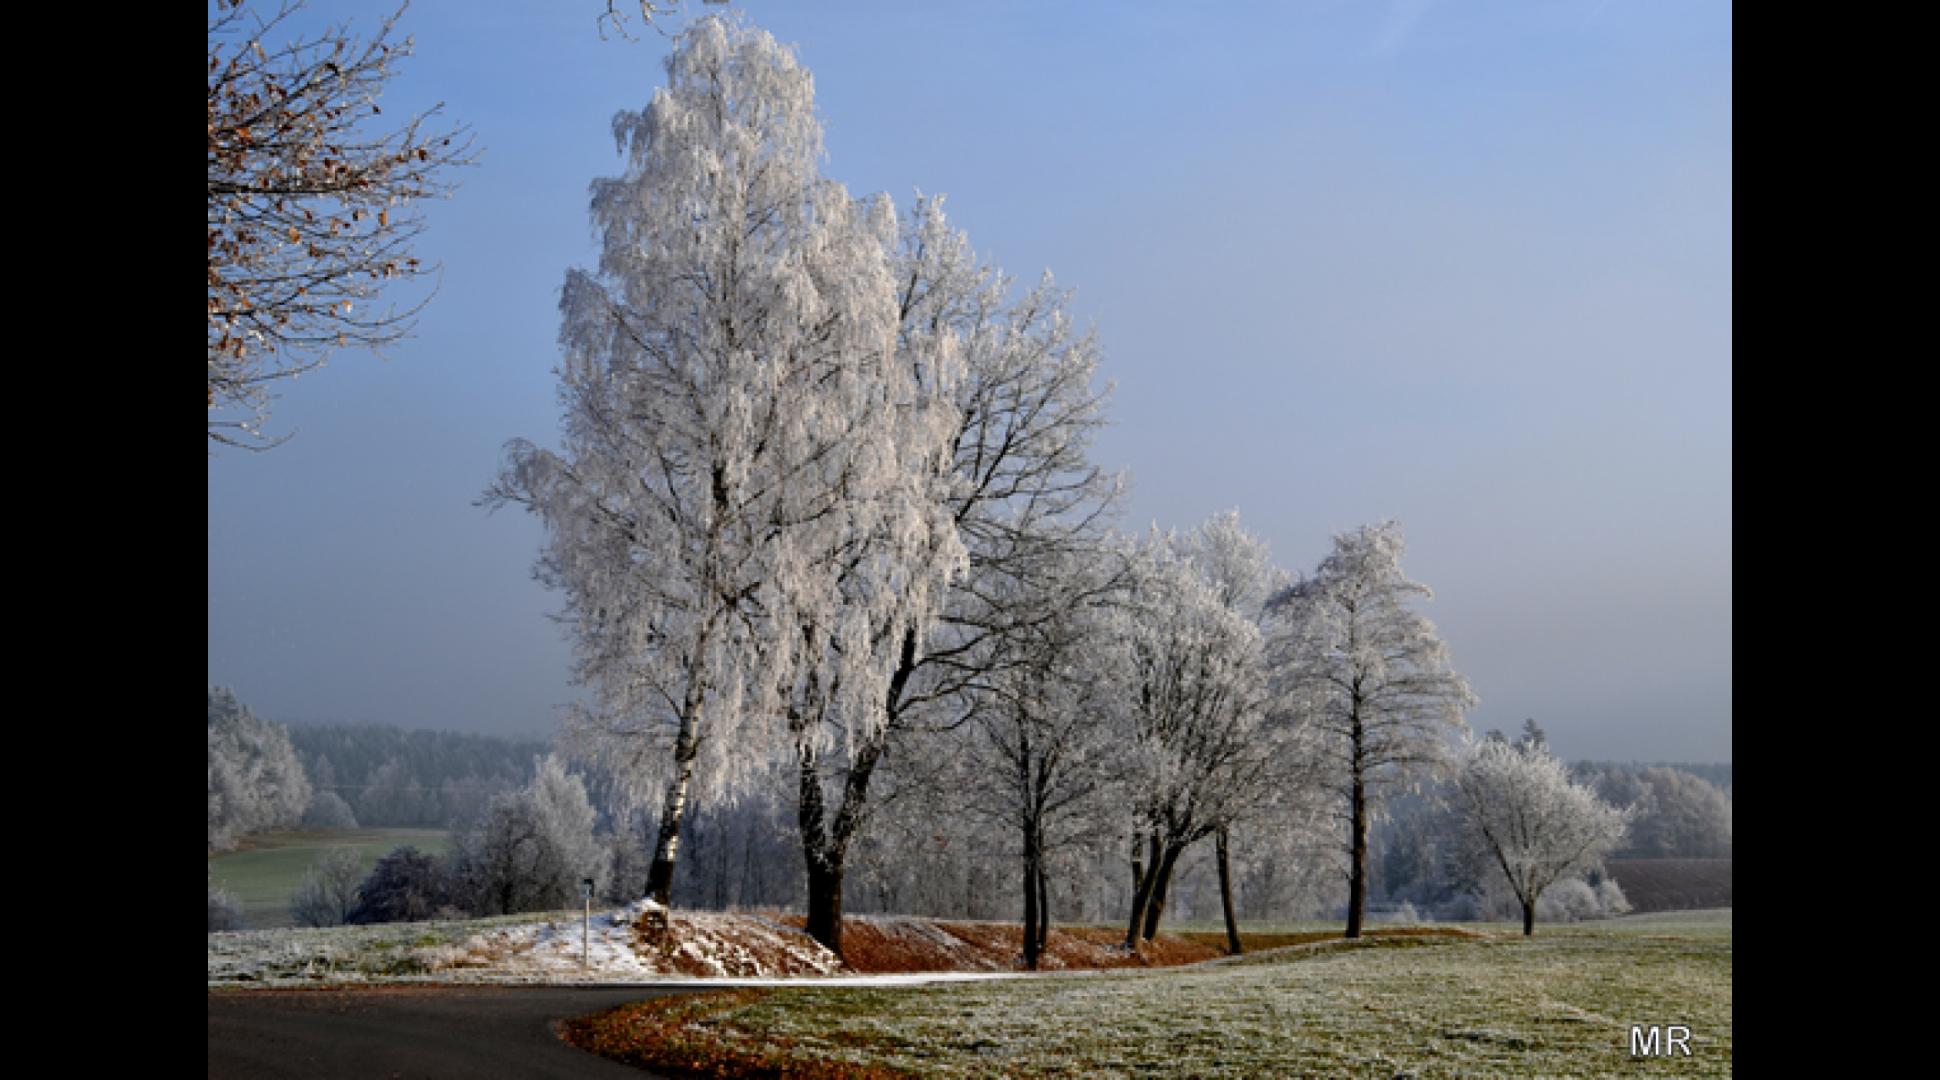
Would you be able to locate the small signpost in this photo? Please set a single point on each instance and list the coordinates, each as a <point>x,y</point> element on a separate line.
<point>586,927</point>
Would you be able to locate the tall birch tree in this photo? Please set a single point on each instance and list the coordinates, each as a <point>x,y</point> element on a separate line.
<point>742,516</point>
<point>1371,678</point>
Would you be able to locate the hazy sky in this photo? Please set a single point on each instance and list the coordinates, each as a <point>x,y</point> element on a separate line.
<point>1463,264</point>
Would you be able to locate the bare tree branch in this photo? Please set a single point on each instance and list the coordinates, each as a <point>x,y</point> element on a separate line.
<point>313,204</point>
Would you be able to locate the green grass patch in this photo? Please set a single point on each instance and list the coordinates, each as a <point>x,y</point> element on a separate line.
<point>1558,1004</point>
<point>264,872</point>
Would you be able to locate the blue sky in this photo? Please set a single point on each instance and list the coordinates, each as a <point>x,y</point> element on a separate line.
<point>1464,264</point>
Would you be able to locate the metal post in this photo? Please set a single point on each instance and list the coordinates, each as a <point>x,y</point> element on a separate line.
<point>586,927</point>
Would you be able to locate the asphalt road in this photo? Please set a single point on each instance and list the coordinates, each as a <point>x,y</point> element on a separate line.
<point>410,1033</point>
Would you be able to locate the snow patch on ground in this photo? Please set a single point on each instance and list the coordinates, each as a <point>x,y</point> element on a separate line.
<point>628,945</point>
<point>638,944</point>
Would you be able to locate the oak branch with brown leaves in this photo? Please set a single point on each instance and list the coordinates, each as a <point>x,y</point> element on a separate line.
<point>313,201</point>
<point>650,10</point>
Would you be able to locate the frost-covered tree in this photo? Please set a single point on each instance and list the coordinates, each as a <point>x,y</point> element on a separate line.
<point>1422,861</point>
<point>532,848</point>
<point>328,810</point>
<point>392,795</point>
<point>1285,863</point>
<point>1283,794</point>
<point>328,892</point>
<point>1676,811</point>
<point>742,516</point>
<point>1371,680</point>
<point>256,781</point>
<point>1041,742</point>
<point>312,203</point>
<point>1681,815</point>
<point>1529,820</point>
<point>1017,482</point>
<point>1202,746</point>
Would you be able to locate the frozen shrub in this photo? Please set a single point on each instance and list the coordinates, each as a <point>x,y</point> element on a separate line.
<point>1567,901</point>
<point>405,886</point>
<point>1463,907</point>
<point>328,810</point>
<point>224,912</point>
<point>1403,913</point>
<point>1574,899</point>
<point>328,891</point>
<point>1610,898</point>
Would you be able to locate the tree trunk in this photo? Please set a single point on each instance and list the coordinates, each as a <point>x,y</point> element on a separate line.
<point>1528,918</point>
<point>1226,894</point>
<point>660,875</point>
<point>1031,850</point>
<point>1155,908</point>
<point>1144,878</point>
<point>1357,871</point>
<point>1043,901</point>
<point>721,875</point>
<point>824,866</point>
<point>825,907</point>
<point>1032,942</point>
<point>827,850</point>
<point>747,863</point>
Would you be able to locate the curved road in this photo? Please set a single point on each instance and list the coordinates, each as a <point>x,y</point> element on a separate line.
<point>412,1033</point>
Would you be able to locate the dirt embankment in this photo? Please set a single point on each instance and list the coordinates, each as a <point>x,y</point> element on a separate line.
<point>895,944</point>
<point>901,944</point>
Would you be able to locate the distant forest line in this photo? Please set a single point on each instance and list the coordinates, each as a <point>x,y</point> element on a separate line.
<point>422,778</point>
<point>748,855</point>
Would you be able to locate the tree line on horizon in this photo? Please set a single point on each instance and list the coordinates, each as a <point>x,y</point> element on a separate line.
<point>928,855</point>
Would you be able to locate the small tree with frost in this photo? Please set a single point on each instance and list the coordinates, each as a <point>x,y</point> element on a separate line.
<point>1527,818</point>
<point>1370,677</point>
<point>532,848</point>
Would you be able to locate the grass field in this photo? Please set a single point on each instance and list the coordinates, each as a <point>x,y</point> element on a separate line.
<point>1559,1004</point>
<point>264,872</point>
